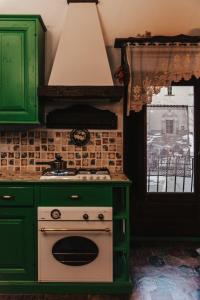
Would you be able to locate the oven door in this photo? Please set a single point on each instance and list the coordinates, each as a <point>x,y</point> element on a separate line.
<point>75,251</point>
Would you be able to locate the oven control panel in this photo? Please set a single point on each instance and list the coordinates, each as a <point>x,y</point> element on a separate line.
<point>75,213</point>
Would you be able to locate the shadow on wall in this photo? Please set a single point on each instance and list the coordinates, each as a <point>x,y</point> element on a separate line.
<point>114,58</point>
<point>49,54</point>
<point>195,32</point>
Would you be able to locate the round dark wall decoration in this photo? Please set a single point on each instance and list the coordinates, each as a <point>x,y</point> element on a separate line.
<point>80,137</point>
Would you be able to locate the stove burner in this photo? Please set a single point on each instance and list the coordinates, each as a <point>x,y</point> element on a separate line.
<point>93,171</point>
<point>65,172</point>
<point>77,174</point>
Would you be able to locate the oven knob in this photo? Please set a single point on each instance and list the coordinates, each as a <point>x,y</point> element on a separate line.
<point>55,214</point>
<point>100,216</point>
<point>85,217</point>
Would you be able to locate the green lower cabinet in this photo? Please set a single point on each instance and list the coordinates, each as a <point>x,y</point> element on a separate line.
<point>17,255</point>
<point>18,235</point>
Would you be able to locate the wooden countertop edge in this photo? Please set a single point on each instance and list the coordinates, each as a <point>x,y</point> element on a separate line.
<point>36,178</point>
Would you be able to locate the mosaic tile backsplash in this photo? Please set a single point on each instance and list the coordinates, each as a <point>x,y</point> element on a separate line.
<point>20,150</point>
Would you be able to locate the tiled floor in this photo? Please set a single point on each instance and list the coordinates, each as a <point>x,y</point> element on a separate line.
<point>170,272</point>
<point>159,272</point>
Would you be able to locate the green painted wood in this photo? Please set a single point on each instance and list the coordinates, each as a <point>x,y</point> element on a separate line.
<point>21,222</point>
<point>117,287</point>
<point>17,260</point>
<point>87,195</point>
<point>16,196</point>
<point>19,64</point>
<point>121,233</point>
<point>24,18</point>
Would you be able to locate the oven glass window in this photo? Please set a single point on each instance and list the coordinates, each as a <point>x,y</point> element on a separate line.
<point>75,251</point>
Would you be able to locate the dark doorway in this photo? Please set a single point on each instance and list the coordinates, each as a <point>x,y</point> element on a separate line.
<point>162,160</point>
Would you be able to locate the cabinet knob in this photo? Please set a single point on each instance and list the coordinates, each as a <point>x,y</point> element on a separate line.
<point>7,197</point>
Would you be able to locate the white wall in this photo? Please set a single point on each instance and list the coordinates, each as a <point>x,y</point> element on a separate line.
<point>119,18</point>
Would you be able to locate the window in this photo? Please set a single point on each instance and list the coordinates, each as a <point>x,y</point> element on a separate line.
<point>169,126</point>
<point>170,148</point>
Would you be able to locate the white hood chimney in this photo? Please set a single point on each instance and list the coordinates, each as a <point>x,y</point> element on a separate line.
<point>81,69</point>
<point>81,57</point>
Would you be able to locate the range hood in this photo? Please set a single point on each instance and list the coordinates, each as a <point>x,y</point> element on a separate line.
<point>81,69</point>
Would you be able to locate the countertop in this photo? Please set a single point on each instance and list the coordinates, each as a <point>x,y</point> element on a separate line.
<point>35,177</point>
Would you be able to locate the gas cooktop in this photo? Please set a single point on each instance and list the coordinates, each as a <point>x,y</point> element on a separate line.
<point>77,174</point>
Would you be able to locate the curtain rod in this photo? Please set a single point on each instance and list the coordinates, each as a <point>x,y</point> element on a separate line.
<point>181,39</point>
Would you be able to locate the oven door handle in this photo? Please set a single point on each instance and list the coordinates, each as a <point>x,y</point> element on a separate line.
<point>43,229</point>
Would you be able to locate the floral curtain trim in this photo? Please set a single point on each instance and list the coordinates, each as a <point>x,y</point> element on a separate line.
<point>154,66</point>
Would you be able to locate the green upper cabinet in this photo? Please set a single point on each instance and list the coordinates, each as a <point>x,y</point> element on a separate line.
<point>21,68</point>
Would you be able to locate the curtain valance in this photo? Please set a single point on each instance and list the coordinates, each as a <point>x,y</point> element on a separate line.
<point>154,66</point>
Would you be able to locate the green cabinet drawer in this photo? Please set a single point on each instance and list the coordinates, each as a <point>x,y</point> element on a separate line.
<point>16,196</point>
<point>76,195</point>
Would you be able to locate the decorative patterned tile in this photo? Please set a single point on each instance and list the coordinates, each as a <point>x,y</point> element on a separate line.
<point>21,150</point>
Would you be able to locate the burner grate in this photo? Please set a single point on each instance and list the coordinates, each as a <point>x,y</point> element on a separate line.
<point>77,174</point>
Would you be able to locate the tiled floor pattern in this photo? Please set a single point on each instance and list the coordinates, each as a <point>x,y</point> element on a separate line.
<point>170,272</point>
<point>159,272</point>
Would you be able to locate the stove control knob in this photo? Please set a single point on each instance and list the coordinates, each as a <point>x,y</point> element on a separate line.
<point>55,214</point>
<point>85,217</point>
<point>100,216</point>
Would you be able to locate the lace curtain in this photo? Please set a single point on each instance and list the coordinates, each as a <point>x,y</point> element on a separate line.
<point>154,66</point>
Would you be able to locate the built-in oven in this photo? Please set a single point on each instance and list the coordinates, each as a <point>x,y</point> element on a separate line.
<point>75,244</point>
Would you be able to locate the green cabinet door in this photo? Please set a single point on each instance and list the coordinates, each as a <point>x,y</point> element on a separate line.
<point>17,255</point>
<point>21,40</point>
